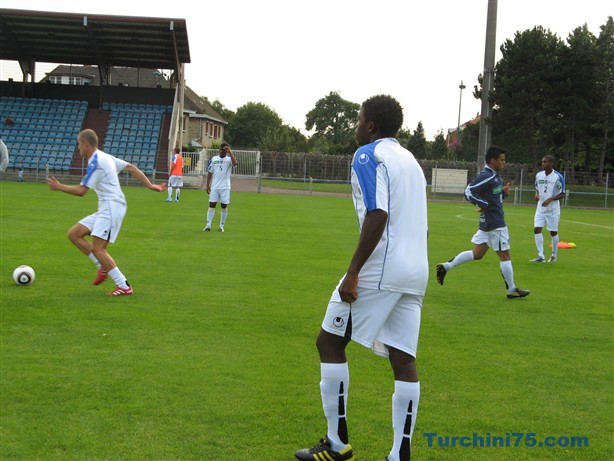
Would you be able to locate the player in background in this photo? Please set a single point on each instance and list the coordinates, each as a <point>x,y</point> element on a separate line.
<point>20,169</point>
<point>175,179</point>
<point>550,189</point>
<point>104,225</point>
<point>378,301</point>
<point>487,192</point>
<point>4,156</point>
<point>218,184</point>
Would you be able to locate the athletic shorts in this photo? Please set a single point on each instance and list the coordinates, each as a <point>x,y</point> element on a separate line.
<point>107,222</point>
<point>377,319</point>
<point>549,219</point>
<point>175,181</point>
<point>220,195</point>
<point>497,239</point>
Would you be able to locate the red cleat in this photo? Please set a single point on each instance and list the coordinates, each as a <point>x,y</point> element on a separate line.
<point>119,291</point>
<point>100,277</point>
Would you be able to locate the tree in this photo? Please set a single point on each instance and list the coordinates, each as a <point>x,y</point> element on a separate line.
<point>525,96</point>
<point>439,147</point>
<point>283,139</point>
<point>605,88</point>
<point>333,118</point>
<point>417,142</point>
<point>251,123</point>
<point>221,109</point>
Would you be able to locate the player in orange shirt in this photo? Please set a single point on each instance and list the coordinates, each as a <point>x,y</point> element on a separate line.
<point>175,179</point>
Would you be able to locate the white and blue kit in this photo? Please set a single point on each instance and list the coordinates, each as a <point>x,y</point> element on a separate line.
<point>221,169</point>
<point>392,282</point>
<point>547,186</point>
<point>102,176</point>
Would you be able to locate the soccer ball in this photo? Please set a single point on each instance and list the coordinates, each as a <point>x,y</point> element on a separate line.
<point>23,275</point>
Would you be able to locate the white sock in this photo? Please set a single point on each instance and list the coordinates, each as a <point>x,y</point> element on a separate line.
<point>460,258</point>
<point>223,215</point>
<point>335,379</point>
<point>93,258</point>
<point>210,216</point>
<point>170,192</point>
<point>508,275</point>
<point>404,412</point>
<point>555,244</point>
<point>118,278</point>
<point>539,243</point>
<point>177,194</point>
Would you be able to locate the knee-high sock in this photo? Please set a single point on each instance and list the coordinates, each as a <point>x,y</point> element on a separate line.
<point>404,412</point>
<point>223,216</point>
<point>335,378</point>
<point>170,192</point>
<point>539,243</point>
<point>508,274</point>
<point>555,244</point>
<point>93,258</point>
<point>210,216</point>
<point>177,193</point>
<point>118,278</point>
<point>460,258</point>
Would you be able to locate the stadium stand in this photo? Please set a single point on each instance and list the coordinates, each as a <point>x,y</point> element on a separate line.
<point>133,132</point>
<point>43,132</point>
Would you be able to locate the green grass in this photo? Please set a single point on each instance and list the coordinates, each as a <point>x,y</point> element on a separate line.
<point>213,358</point>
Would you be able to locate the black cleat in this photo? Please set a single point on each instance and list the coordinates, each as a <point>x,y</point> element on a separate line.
<point>441,273</point>
<point>518,293</point>
<point>323,452</point>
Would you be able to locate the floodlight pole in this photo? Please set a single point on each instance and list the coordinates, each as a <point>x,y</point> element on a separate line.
<point>460,101</point>
<point>487,83</point>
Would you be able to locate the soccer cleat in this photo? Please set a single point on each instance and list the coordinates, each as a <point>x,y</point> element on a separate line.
<point>176,200</point>
<point>441,273</point>
<point>101,276</point>
<point>539,259</point>
<point>323,452</point>
<point>552,259</point>
<point>207,229</point>
<point>518,293</point>
<point>168,200</point>
<point>221,229</point>
<point>119,291</point>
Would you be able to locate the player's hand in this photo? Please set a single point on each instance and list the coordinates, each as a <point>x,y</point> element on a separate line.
<point>158,187</point>
<point>506,188</point>
<point>481,210</point>
<point>54,184</point>
<point>348,289</point>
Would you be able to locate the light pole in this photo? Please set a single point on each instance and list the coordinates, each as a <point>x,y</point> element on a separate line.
<point>460,101</point>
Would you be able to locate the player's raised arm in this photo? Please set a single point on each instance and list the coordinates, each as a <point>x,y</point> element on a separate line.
<point>138,174</point>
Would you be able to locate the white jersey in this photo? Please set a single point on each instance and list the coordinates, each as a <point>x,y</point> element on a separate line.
<point>101,175</point>
<point>549,185</point>
<point>4,156</point>
<point>220,168</point>
<point>386,176</point>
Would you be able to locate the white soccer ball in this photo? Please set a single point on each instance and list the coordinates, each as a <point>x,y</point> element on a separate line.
<point>24,275</point>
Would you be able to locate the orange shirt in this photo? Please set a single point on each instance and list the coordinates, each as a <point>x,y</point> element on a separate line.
<point>177,165</point>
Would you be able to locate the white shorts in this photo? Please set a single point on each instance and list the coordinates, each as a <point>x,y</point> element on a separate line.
<point>497,239</point>
<point>107,222</point>
<point>220,195</point>
<point>376,320</point>
<point>549,219</point>
<point>175,181</point>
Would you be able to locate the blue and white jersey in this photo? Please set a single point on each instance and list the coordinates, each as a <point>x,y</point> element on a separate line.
<point>486,191</point>
<point>387,177</point>
<point>549,185</point>
<point>101,176</point>
<point>220,168</point>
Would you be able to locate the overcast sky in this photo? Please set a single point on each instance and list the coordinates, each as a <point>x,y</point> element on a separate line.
<point>288,54</point>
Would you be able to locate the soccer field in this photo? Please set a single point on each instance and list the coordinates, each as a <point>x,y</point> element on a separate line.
<point>214,357</point>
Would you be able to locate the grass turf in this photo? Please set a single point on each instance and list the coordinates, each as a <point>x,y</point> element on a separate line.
<point>213,358</point>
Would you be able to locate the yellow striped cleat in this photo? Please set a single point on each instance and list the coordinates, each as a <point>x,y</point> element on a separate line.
<point>323,452</point>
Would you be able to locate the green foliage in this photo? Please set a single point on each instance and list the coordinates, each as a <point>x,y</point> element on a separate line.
<point>439,147</point>
<point>214,357</point>
<point>333,119</point>
<point>417,142</point>
<point>251,124</point>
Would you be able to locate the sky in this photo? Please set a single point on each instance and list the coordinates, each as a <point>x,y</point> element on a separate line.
<point>288,54</point>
